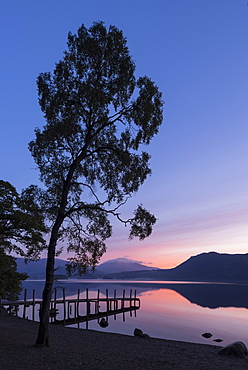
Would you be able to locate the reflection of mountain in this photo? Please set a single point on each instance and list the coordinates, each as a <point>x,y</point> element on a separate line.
<point>204,295</point>
<point>207,267</point>
<point>214,295</point>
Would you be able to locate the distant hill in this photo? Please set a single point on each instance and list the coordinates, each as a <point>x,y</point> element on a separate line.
<point>205,267</point>
<point>36,269</point>
<point>122,264</point>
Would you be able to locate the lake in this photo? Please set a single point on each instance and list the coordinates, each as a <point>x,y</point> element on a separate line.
<point>170,310</point>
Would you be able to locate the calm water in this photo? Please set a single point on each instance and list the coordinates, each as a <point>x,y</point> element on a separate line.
<point>178,311</point>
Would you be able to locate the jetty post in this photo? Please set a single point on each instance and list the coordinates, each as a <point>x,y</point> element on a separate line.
<point>87,308</point>
<point>97,304</point>
<point>130,302</point>
<point>78,297</point>
<point>123,306</point>
<point>64,305</point>
<point>33,305</point>
<point>25,305</point>
<point>115,304</point>
<point>135,297</point>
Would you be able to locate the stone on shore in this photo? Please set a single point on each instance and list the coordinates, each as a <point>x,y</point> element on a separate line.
<point>207,335</point>
<point>139,333</point>
<point>237,349</point>
<point>103,323</point>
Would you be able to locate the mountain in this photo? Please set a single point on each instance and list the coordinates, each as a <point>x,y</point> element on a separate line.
<point>207,267</point>
<point>122,264</point>
<point>36,269</point>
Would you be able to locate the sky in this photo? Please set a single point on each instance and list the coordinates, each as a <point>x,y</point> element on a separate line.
<point>196,51</point>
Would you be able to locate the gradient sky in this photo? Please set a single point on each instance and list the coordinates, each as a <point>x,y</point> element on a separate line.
<point>197,53</point>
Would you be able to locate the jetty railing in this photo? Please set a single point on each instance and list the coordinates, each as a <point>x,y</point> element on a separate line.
<point>68,311</point>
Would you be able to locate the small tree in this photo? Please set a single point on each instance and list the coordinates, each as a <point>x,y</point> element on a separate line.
<point>21,220</point>
<point>98,117</point>
<point>10,279</point>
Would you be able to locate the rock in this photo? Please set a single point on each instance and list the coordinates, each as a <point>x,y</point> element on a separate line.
<point>218,340</point>
<point>207,335</point>
<point>138,332</point>
<point>103,323</point>
<point>237,349</point>
<point>144,335</point>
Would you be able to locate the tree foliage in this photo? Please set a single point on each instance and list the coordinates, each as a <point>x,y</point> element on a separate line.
<point>21,220</point>
<point>90,153</point>
<point>92,139</point>
<point>10,279</point>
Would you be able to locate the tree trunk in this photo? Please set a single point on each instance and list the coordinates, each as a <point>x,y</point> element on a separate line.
<point>43,333</point>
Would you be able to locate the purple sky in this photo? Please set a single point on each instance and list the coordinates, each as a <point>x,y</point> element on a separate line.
<point>197,53</point>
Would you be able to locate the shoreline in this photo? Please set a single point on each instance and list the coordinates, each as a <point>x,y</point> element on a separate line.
<point>73,348</point>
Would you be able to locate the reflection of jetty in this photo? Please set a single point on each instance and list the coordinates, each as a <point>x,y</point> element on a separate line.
<point>76,310</point>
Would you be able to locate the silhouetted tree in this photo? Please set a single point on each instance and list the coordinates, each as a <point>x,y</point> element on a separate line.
<point>22,224</point>
<point>89,153</point>
<point>10,279</point>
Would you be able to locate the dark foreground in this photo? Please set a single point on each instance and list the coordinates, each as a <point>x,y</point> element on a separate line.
<point>88,349</point>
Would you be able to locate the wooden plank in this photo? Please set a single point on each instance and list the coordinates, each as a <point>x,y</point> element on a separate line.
<point>59,301</point>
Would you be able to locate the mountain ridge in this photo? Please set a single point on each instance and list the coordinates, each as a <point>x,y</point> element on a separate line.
<point>123,264</point>
<point>36,269</point>
<point>204,267</point>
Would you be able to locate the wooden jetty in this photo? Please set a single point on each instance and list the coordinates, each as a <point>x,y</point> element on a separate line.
<point>77,310</point>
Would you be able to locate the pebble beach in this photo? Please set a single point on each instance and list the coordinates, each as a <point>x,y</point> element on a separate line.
<point>88,349</point>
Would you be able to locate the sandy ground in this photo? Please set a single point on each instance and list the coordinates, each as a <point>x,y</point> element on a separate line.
<point>88,349</point>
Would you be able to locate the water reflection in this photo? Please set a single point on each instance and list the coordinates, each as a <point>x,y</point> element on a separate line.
<point>179,311</point>
<point>205,295</point>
